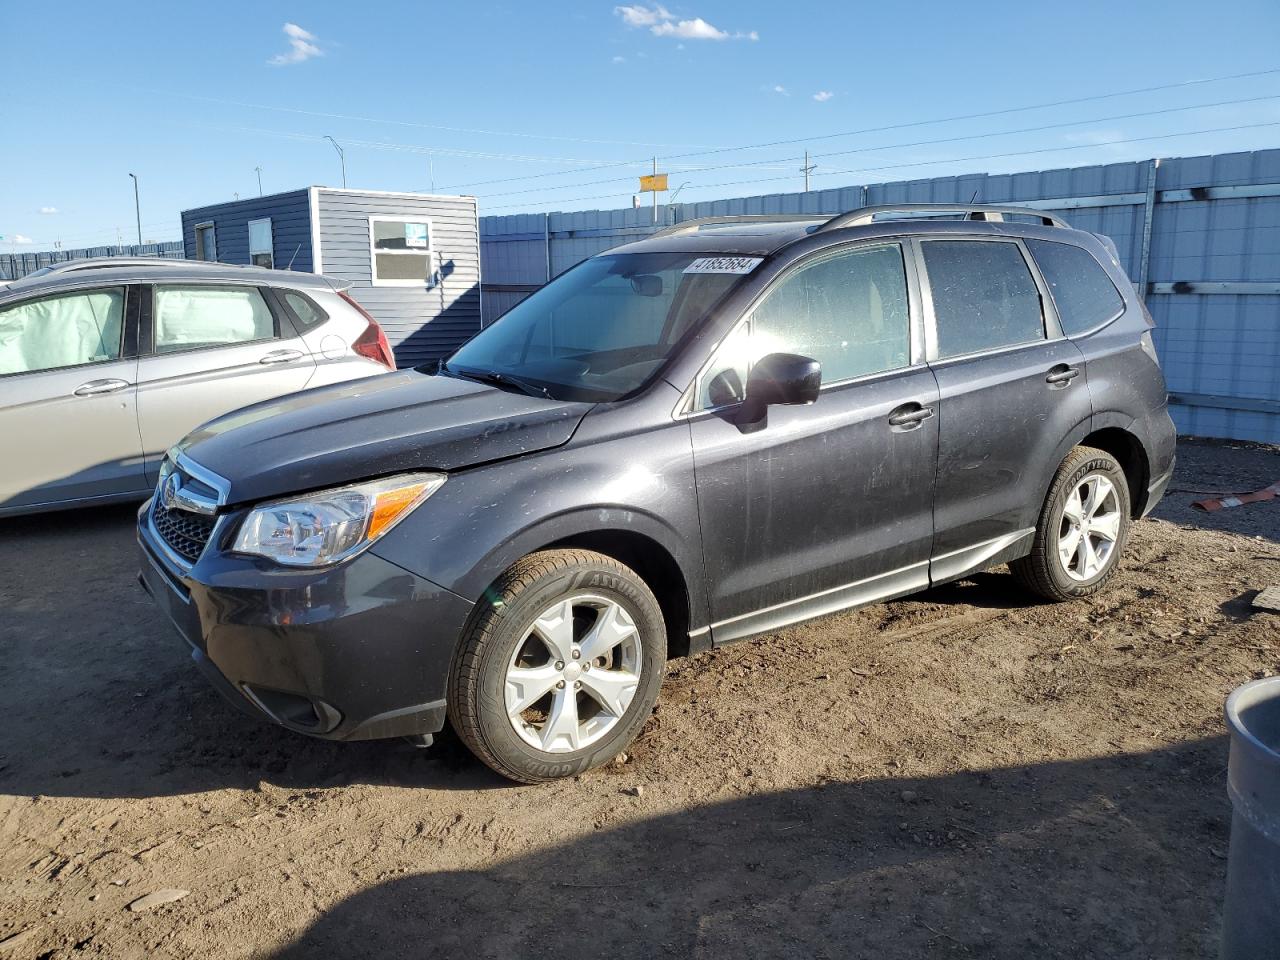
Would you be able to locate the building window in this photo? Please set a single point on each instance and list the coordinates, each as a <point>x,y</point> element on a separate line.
<point>206,245</point>
<point>401,251</point>
<point>261,246</point>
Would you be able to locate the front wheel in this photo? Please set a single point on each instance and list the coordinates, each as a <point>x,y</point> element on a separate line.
<point>1082,530</point>
<point>561,669</point>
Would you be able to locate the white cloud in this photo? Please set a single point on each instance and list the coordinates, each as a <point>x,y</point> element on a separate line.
<point>303,45</point>
<point>48,211</point>
<point>20,239</point>
<point>822,96</point>
<point>642,16</point>
<point>695,29</point>
<point>781,90</point>
<point>663,23</point>
<point>619,59</point>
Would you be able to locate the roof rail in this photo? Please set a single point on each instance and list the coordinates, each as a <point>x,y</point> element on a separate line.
<point>104,263</point>
<point>865,215</point>
<point>692,226</point>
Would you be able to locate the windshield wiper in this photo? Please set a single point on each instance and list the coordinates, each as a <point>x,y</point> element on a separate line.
<point>499,379</point>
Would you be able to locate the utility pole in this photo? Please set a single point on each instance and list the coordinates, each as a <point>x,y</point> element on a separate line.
<point>137,207</point>
<point>341,159</point>
<point>807,169</point>
<point>655,191</point>
<point>431,164</point>
<point>258,171</point>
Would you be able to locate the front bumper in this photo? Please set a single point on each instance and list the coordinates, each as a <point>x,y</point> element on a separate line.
<point>357,651</point>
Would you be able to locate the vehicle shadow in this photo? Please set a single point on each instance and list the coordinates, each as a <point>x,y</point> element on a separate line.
<point>1112,857</point>
<point>990,591</point>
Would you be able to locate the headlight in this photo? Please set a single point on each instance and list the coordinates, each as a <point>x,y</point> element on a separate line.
<point>322,528</point>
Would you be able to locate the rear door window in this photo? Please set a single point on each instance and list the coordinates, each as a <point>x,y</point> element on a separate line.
<point>1082,292</point>
<point>984,296</point>
<point>193,317</point>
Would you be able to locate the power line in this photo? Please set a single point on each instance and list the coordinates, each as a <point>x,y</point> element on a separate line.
<point>409,123</point>
<point>922,163</point>
<point>395,146</point>
<point>897,126</point>
<point>780,161</point>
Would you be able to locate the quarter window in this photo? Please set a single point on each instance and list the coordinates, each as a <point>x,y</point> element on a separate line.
<point>983,296</point>
<point>1082,291</point>
<point>261,244</point>
<point>401,251</point>
<point>848,311</point>
<point>308,314</point>
<point>64,331</point>
<point>187,318</point>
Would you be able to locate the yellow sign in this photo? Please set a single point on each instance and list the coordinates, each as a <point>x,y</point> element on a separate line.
<point>654,183</point>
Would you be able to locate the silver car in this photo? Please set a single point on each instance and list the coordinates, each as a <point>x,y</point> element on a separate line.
<point>104,364</point>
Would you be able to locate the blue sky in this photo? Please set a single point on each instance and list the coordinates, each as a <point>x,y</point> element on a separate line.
<point>192,97</point>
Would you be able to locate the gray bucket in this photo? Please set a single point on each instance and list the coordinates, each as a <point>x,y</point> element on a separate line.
<point>1251,914</point>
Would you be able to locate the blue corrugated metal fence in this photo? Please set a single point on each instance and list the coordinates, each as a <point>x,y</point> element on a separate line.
<point>1199,235</point>
<point>16,265</point>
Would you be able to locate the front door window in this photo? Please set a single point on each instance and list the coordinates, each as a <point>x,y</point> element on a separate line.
<point>847,310</point>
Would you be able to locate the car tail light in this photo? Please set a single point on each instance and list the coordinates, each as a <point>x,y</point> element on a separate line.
<point>373,342</point>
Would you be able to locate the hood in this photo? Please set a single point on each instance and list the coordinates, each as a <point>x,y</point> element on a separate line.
<point>373,427</point>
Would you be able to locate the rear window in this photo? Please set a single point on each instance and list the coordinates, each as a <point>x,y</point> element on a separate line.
<point>983,296</point>
<point>1082,291</point>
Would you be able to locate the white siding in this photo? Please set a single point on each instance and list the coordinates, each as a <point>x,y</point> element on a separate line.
<point>422,323</point>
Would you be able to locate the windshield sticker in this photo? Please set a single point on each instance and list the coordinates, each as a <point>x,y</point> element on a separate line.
<point>724,265</point>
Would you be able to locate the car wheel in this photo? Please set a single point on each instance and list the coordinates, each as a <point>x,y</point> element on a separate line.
<point>1082,530</point>
<point>561,668</point>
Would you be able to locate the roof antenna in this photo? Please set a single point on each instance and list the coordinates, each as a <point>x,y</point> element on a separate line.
<point>294,257</point>
<point>973,214</point>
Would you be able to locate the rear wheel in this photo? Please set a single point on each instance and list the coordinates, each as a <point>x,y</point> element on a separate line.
<point>1082,530</point>
<point>560,671</point>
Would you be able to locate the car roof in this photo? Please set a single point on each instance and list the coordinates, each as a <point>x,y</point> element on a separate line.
<point>763,235</point>
<point>97,271</point>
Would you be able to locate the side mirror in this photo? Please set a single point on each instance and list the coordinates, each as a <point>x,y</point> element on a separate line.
<point>780,378</point>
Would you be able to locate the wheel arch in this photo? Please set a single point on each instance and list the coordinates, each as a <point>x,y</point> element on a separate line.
<point>1129,451</point>
<point>655,566</point>
<point>637,540</point>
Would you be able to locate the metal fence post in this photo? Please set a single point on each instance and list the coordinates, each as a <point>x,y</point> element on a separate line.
<point>1148,217</point>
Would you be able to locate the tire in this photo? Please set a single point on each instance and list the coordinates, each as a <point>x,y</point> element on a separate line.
<point>550,602</point>
<point>1083,571</point>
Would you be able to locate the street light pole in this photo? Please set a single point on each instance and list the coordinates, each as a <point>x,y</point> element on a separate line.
<point>137,208</point>
<point>258,171</point>
<point>341,159</point>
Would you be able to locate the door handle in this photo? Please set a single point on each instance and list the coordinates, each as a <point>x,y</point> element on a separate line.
<point>282,356</point>
<point>910,416</point>
<point>96,387</point>
<point>1062,375</point>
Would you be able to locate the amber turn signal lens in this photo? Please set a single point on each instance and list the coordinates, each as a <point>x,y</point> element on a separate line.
<point>388,506</point>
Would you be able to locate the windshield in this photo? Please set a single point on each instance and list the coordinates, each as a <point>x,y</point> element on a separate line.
<point>599,331</point>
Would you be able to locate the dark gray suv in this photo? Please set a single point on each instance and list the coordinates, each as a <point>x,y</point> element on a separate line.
<point>726,428</point>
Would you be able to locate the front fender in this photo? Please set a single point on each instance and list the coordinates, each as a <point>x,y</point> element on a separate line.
<point>485,519</point>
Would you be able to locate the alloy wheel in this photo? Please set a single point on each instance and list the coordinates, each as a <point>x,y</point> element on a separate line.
<point>574,674</point>
<point>1090,527</point>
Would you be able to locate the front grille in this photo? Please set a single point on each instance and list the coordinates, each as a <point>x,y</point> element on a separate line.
<point>185,533</point>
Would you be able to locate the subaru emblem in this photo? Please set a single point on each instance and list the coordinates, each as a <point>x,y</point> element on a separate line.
<point>169,492</point>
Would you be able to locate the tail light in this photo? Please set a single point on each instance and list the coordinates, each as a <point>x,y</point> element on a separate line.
<point>373,342</point>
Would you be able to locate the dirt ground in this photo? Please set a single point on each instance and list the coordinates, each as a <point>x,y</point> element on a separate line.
<point>962,773</point>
